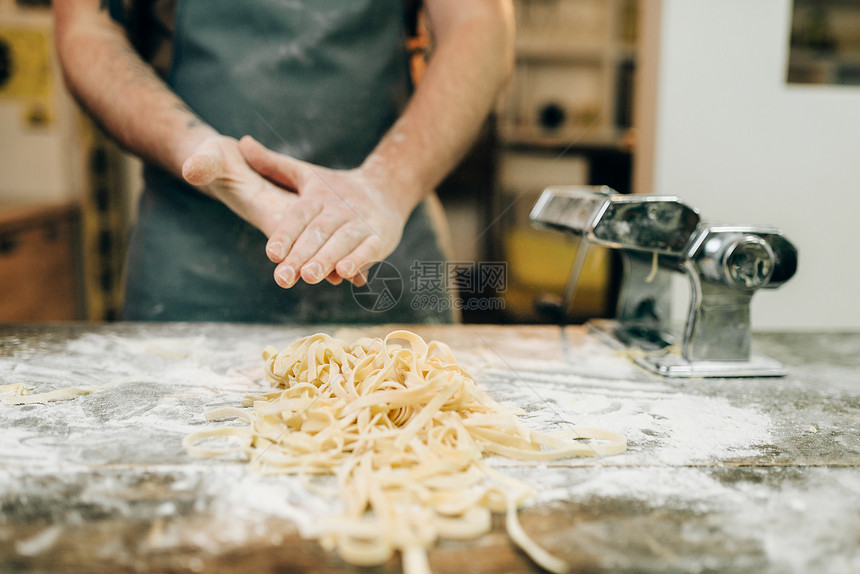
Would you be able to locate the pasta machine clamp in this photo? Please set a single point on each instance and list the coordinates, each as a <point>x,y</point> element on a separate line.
<point>658,237</point>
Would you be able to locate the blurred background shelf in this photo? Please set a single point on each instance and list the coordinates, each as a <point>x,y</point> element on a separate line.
<point>566,119</point>
<point>65,189</point>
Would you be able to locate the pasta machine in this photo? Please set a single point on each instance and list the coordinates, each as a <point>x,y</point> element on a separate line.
<point>659,237</point>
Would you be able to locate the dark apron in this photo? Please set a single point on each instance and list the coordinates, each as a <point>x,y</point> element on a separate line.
<point>320,80</point>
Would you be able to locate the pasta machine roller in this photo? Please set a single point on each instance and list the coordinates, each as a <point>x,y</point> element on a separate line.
<point>659,237</point>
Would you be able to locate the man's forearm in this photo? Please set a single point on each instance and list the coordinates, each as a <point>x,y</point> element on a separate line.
<point>472,59</point>
<point>122,92</point>
<point>141,112</point>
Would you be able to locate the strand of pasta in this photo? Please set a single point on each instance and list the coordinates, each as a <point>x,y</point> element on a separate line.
<point>21,397</point>
<point>403,429</point>
<point>16,389</point>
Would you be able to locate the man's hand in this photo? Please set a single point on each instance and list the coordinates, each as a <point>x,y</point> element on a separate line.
<point>218,169</point>
<point>337,225</point>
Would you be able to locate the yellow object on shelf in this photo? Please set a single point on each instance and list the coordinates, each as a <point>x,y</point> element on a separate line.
<point>543,259</point>
<point>26,53</point>
<point>539,266</point>
<point>25,74</point>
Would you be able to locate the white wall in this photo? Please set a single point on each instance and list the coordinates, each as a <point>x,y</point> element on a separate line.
<point>734,140</point>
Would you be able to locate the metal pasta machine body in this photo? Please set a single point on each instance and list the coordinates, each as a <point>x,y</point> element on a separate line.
<point>659,237</point>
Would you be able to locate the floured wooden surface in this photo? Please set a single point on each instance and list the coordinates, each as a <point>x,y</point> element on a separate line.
<point>728,475</point>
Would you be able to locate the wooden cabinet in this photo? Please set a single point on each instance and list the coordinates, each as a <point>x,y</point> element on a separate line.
<point>39,263</point>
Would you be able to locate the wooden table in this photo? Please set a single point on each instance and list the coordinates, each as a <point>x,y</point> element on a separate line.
<point>733,475</point>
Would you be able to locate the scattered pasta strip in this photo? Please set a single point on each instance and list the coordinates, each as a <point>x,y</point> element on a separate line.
<point>653,273</point>
<point>20,396</point>
<point>16,389</point>
<point>404,430</point>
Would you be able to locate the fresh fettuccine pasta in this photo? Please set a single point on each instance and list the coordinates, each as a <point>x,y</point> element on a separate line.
<point>405,430</point>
